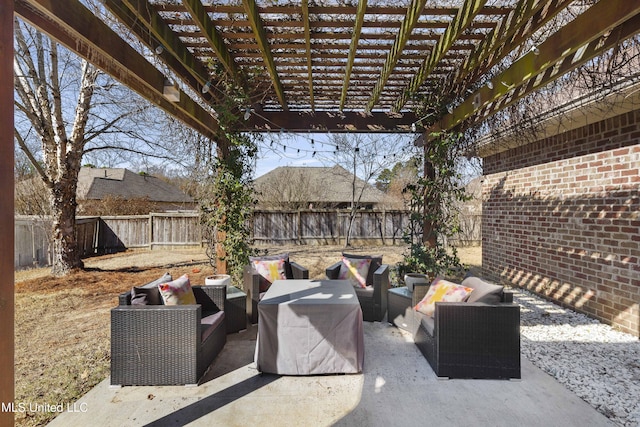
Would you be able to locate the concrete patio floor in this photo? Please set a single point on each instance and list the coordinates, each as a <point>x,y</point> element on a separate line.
<point>397,388</point>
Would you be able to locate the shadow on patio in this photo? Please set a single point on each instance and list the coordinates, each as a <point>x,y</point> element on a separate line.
<point>397,388</point>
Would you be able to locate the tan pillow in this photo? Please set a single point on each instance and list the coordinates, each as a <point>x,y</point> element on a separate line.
<point>442,290</point>
<point>177,292</point>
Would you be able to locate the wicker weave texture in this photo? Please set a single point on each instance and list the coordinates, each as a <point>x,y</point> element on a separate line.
<point>473,340</point>
<point>161,345</point>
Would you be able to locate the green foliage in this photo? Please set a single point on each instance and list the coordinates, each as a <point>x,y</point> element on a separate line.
<point>226,195</point>
<point>227,207</point>
<point>433,217</point>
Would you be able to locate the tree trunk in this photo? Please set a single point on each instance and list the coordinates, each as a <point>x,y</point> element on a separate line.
<point>66,254</point>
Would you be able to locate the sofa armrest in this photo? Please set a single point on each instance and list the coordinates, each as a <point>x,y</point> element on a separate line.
<point>381,285</point>
<point>299,272</point>
<point>251,286</point>
<point>211,298</point>
<point>155,344</point>
<point>469,335</point>
<point>124,298</point>
<point>333,271</point>
<point>507,296</point>
<point>419,292</point>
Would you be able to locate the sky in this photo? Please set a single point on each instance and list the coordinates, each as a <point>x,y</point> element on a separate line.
<point>310,150</point>
<point>293,150</point>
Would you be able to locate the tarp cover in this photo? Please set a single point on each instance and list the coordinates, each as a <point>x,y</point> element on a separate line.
<point>310,327</point>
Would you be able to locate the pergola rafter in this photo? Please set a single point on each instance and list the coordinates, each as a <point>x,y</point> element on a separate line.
<point>410,20</point>
<point>329,65</point>
<point>357,29</point>
<point>202,20</point>
<point>589,34</point>
<point>75,27</point>
<point>251,9</point>
<point>525,18</point>
<point>307,43</point>
<point>461,22</point>
<point>158,37</point>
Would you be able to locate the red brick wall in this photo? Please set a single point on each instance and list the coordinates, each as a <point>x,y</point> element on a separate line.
<point>561,217</point>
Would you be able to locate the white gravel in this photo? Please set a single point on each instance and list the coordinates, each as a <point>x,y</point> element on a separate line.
<point>596,362</point>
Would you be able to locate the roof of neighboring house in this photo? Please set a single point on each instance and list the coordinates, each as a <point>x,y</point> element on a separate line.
<point>97,183</point>
<point>322,185</point>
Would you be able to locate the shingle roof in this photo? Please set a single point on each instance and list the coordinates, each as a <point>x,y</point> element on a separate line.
<point>325,185</point>
<point>96,183</point>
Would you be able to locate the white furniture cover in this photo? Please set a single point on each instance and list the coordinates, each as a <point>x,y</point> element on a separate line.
<point>310,327</point>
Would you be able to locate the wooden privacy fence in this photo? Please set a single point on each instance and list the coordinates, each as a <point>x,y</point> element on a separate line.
<point>328,227</point>
<point>102,235</point>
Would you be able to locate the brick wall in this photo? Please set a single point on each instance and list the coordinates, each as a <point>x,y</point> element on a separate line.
<point>561,217</point>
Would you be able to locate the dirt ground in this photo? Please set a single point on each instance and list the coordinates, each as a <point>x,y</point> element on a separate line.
<point>62,327</point>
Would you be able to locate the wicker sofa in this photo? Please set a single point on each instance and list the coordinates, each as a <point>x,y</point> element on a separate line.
<point>167,345</point>
<point>373,298</point>
<point>479,338</point>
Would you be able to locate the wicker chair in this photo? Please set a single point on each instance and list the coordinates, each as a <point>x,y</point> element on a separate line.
<point>470,339</point>
<point>373,298</point>
<point>167,345</point>
<point>254,284</point>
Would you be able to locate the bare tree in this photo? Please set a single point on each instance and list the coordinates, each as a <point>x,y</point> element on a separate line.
<point>366,156</point>
<point>49,125</point>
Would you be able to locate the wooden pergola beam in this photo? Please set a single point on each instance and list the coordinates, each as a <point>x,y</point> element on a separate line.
<point>202,20</point>
<point>460,23</point>
<point>411,18</point>
<point>510,34</point>
<point>353,47</point>
<point>571,46</point>
<point>323,121</point>
<point>174,54</point>
<point>251,9</point>
<point>307,42</point>
<point>586,53</point>
<point>340,10</point>
<point>75,27</point>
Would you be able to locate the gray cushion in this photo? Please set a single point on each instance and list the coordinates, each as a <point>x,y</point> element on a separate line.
<point>483,291</point>
<point>364,292</point>
<point>428,323</point>
<point>210,323</point>
<point>149,294</point>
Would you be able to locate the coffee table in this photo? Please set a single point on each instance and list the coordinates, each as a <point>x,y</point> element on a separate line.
<point>400,309</point>
<point>310,327</point>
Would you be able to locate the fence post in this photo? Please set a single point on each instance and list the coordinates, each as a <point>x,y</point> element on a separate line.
<point>150,231</point>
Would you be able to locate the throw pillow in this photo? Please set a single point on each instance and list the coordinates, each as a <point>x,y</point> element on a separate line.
<point>270,270</point>
<point>376,261</point>
<point>177,292</point>
<point>355,270</point>
<point>442,290</point>
<point>149,294</point>
<point>145,296</point>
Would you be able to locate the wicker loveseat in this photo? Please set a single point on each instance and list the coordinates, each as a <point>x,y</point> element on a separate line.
<point>479,338</point>
<point>373,298</point>
<point>167,344</point>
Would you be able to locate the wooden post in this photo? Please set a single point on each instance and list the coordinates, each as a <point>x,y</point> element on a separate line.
<point>221,263</point>
<point>7,232</point>
<point>428,235</point>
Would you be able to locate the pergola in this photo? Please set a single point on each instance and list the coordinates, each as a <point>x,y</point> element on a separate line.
<point>319,65</point>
